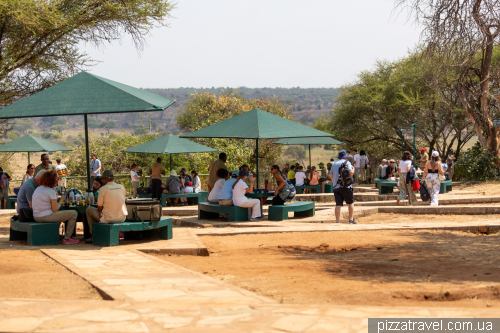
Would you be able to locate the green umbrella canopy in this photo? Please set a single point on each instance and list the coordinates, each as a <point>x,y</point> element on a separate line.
<point>170,144</point>
<point>30,143</point>
<point>309,141</point>
<point>256,124</point>
<point>85,93</point>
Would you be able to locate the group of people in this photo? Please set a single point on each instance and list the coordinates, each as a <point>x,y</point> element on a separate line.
<point>298,177</point>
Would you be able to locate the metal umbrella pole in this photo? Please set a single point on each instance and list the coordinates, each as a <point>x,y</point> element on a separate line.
<point>414,161</point>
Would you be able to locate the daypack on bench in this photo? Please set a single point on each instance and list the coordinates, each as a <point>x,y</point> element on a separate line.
<point>140,210</point>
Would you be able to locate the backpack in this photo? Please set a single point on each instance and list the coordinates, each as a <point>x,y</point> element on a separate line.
<point>345,179</point>
<point>424,194</point>
<point>4,180</point>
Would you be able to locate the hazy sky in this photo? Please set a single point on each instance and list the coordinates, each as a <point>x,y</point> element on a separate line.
<point>261,43</point>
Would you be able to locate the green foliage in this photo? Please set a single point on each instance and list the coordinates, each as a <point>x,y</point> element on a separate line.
<point>58,128</point>
<point>23,125</point>
<point>108,125</point>
<point>476,164</point>
<point>49,136</point>
<point>59,121</point>
<point>205,109</point>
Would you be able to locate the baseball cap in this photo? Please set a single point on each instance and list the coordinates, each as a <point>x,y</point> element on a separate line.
<point>384,160</point>
<point>107,174</point>
<point>235,173</point>
<point>422,149</point>
<point>243,173</point>
<point>435,153</point>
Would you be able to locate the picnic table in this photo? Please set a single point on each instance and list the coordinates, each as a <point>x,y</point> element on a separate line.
<point>261,196</point>
<point>82,217</point>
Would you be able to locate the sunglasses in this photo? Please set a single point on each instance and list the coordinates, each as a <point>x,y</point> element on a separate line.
<point>45,159</point>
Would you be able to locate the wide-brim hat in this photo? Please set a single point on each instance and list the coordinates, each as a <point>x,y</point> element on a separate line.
<point>173,173</point>
<point>321,164</point>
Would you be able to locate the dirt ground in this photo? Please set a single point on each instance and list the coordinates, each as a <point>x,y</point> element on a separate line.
<point>31,274</point>
<point>421,218</point>
<point>490,188</point>
<point>394,268</point>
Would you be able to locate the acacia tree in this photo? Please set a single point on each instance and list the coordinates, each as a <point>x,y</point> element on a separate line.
<point>40,39</point>
<point>465,33</point>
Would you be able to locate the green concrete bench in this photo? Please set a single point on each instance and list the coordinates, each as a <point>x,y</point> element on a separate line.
<point>108,234</point>
<point>207,211</point>
<point>198,197</point>
<point>445,186</point>
<point>328,188</point>
<point>35,233</point>
<point>300,209</point>
<point>386,187</point>
<point>300,189</point>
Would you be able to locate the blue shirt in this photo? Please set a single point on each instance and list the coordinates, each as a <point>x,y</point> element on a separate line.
<point>94,165</point>
<point>335,171</point>
<point>227,190</point>
<point>25,194</point>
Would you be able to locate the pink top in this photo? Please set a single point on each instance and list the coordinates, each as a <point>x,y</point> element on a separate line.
<point>314,176</point>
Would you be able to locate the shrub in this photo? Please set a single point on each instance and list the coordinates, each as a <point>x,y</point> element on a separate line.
<point>476,163</point>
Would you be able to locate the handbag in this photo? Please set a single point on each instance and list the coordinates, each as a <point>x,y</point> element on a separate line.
<point>416,185</point>
<point>141,210</point>
<point>424,194</point>
<point>442,177</point>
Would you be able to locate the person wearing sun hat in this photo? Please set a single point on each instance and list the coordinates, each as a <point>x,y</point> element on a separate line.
<point>424,157</point>
<point>433,169</point>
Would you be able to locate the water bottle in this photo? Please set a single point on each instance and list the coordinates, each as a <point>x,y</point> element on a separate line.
<point>71,197</point>
<point>267,185</point>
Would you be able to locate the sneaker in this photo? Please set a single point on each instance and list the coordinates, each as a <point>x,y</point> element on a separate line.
<point>70,241</point>
<point>88,241</point>
<point>352,221</point>
<point>256,220</point>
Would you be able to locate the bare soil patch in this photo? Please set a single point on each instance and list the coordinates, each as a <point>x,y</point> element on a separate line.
<point>31,274</point>
<point>490,188</point>
<point>385,268</point>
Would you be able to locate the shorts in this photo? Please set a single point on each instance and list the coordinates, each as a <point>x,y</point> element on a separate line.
<point>343,194</point>
<point>4,193</point>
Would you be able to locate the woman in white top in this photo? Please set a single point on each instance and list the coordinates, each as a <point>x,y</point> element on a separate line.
<point>363,162</point>
<point>433,169</point>
<point>300,176</point>
<point>135,179</point>
<point>29,173</point>
<point>46,208</point>
<point>405,190</point>
<point>196,182</point>
<point>223,175</point>
<point>240,188</point>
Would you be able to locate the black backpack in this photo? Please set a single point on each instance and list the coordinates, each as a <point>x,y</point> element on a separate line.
<point>424,194</point>
<point>345,179</point>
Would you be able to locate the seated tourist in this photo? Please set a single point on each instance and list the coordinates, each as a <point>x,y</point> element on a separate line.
<point>46,207</point>
<point>240,200</point>
<point>226,194</point>
<point>223,175</point>
<point>187,184</point>
<point>381,169</point>
<point>25,198</point>
<point>284,191</point>
<point>173,185</point>
<point>96,185</point>
<point>300,176</point>
<point>390,172</point>
<point>196,182</point>
<point>30,172</point>
<point>313,176</point>
<point>111,206</point>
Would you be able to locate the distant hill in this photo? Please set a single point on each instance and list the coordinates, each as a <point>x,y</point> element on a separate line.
<point>306,105</point>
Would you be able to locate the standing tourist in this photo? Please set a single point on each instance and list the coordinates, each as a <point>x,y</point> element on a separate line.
<point>373,165</point>
<point>286,169</point>
<point>357,162</point>
<point>285,191</point>
<point>45,165</point>
<point>424,157</point>
<point>62,173</point>
<point>340,192</point>
<point>350,158</point>
<point>432,171</point>
<point>30,171</point>
<point>46,208</point>
<point>95,167</point>
<point>135,179</point>
<point>4,187</point>
<point>212,170</point>
<point>450,161</point>
<point>363,165</point>
<point>156,171</point>
<point>291,174</point>
<point>196,182</point>
<point>240,188</point>
<point>111,206</point>
<point>405,189</point>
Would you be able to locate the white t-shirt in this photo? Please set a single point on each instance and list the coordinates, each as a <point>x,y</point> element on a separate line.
<point>299,178</point>
<point>42,205</point>
<point>239,192</point>
<point>132,174</point>
<point>215,193</point>
<point>357,160</point>
<point>405,165</point>
<point>112,198</point>
<point>363,160</point>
